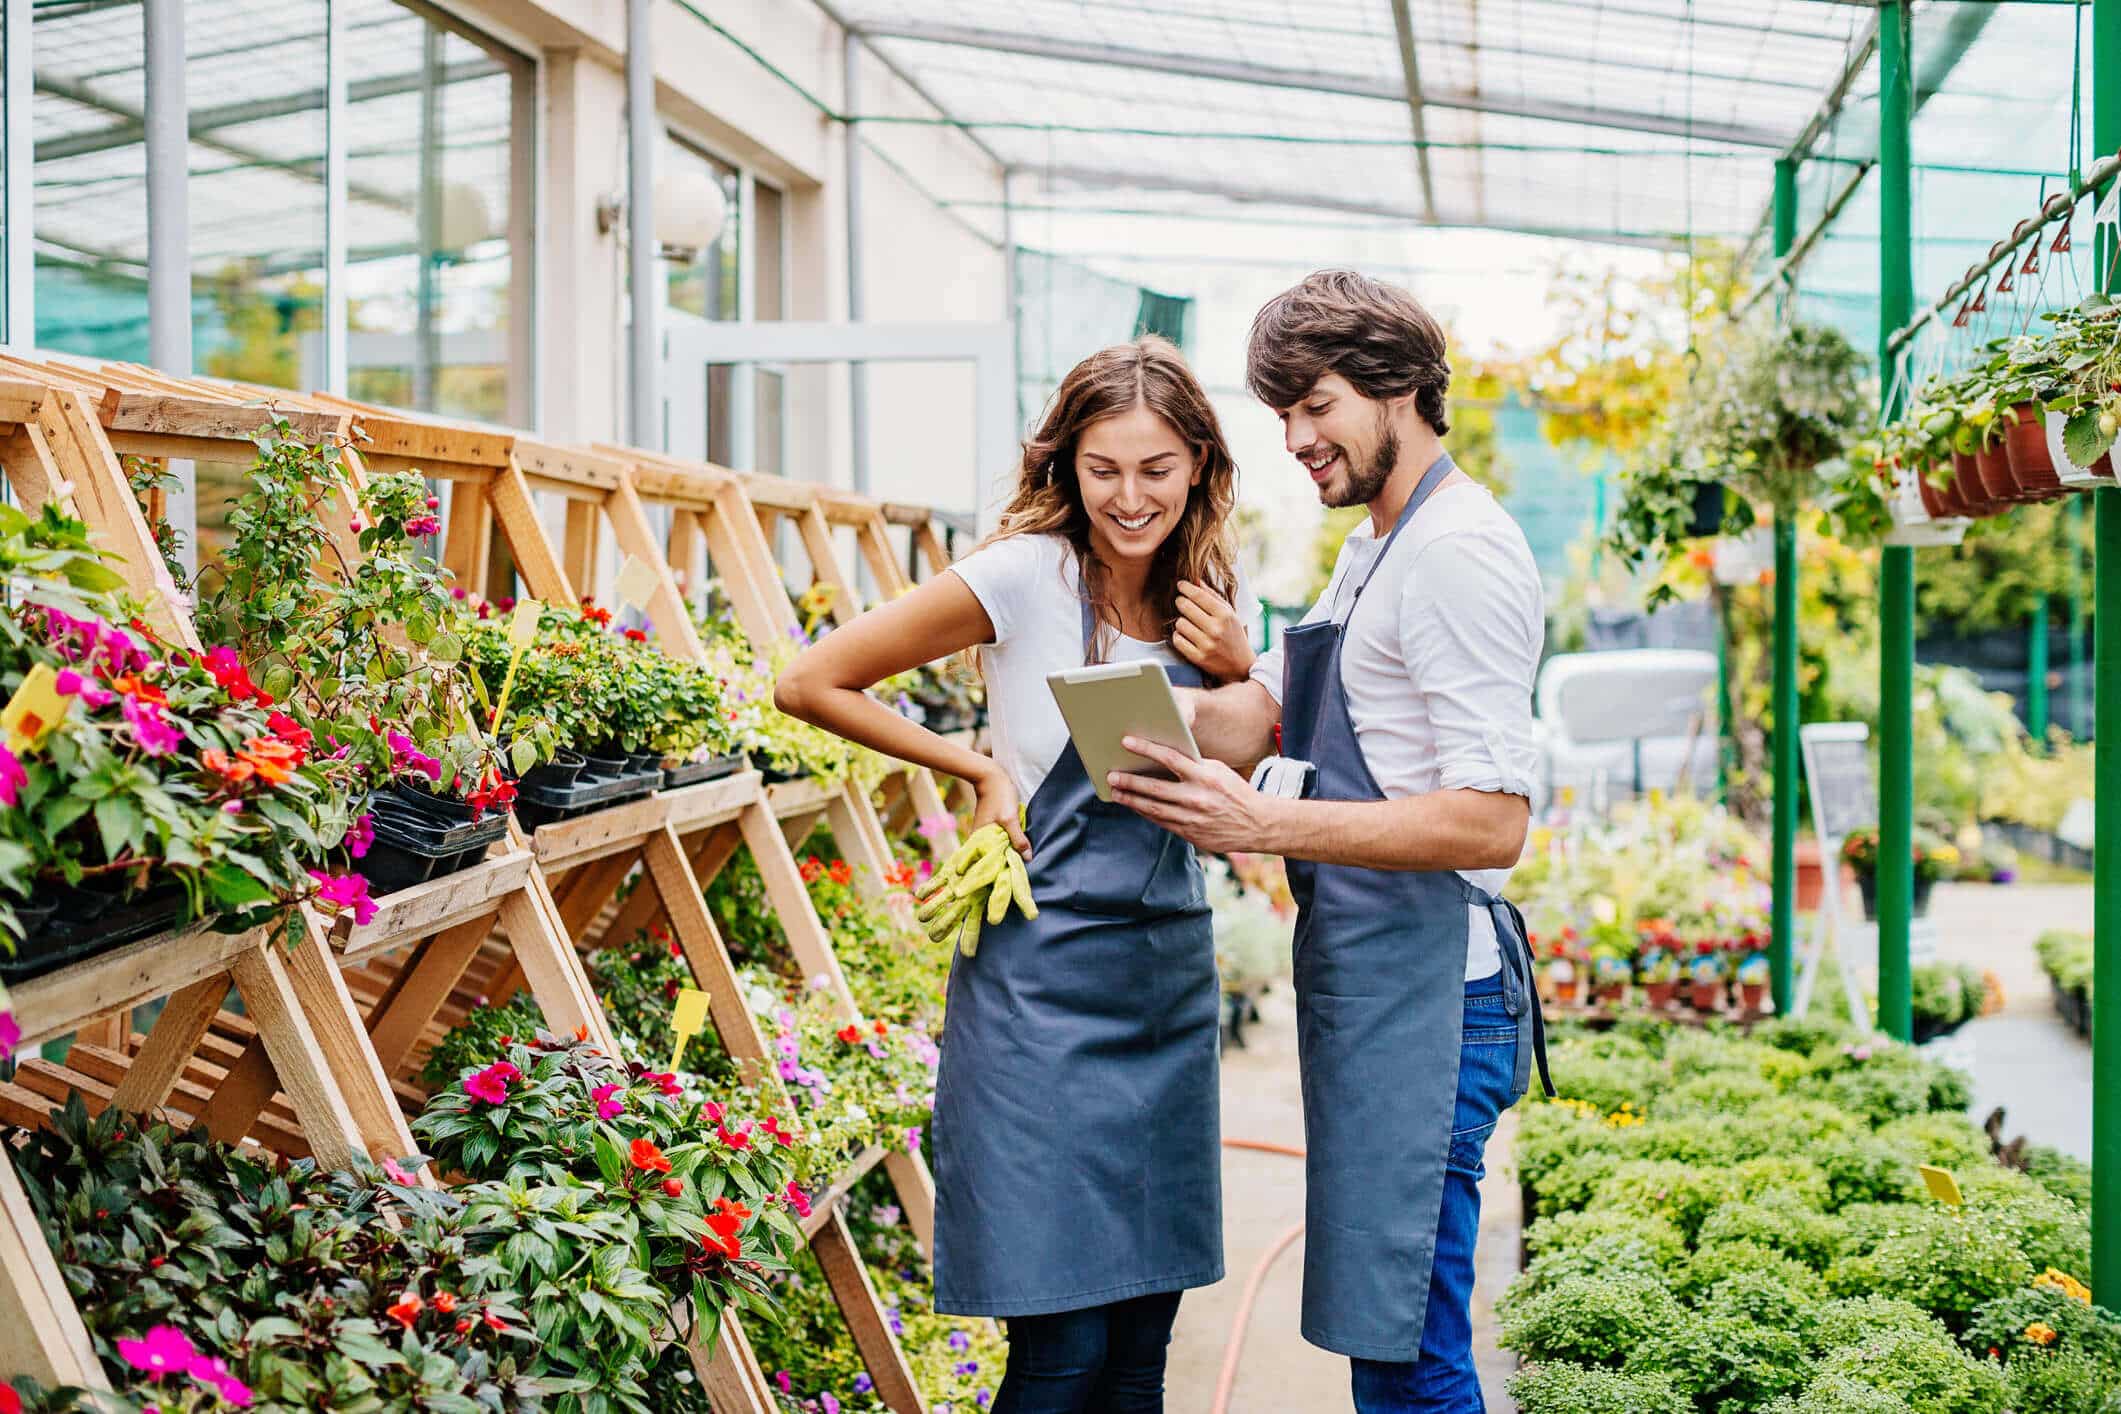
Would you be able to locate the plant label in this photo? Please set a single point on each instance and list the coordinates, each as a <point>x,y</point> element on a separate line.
<point>1943,1186</point>
<point>636,582</point>
<point>523,624</point>
<point>687,1018</point>
<point>35,711</point>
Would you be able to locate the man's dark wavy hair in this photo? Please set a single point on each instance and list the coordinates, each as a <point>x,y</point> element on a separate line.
<point>1375,335</point>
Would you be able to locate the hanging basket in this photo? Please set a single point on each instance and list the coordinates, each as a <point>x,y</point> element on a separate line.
<point>1924,514</point>
<point>1707,517</point>
<point>2071,476</point>
<point>2025,447</point>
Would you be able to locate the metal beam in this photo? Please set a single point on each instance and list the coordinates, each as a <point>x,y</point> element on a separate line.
<point>643,131</point>
<point>1783,276</point>
<point>1410,69</point>
<point>18,281</point>
<point>168,157</point>
<point>857,286</point>
<point>1312,80</point>
<point>1271,196</point>
<point>913,85</point>
<point>2106,688</point>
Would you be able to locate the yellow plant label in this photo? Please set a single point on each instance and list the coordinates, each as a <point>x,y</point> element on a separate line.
<point>523,623</point>
<point>636,582</point>
<point>1943,1186</point>
<point>35,711</point>
<point>687,1018</point>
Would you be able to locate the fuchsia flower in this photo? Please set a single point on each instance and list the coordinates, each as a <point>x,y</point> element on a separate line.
<point>665,1081</point>
<point>345,891</point>
<point>423,525</point>
<point>155,735</point>
<point>214,1371</point>
<point>164,1351</point>
<point>360,835</point>
<point>69,683</point>
<point>607,1107</point>
<point>395,1172</point>
<point>798,1201</point>
<point>10,1034</point>
<point>489,1085</point>
<point>712,1112</point>
<point>12,777</point>
<point>405,756</point>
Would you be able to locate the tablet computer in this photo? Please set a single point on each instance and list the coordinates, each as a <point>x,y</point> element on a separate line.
<point>1112,701</point>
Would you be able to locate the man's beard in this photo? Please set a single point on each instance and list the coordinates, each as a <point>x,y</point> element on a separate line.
<point>1365,484</point>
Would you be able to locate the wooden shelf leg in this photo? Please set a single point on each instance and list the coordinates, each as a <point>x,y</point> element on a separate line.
<point>856,1295</point>
<point>330,1010</point>
<point>693,925</point>
<point>551,967</point>
<point>731,1374</point>
<point>169,1047</point>
<point>915,1187</point>
<point>305,1072</point>
<point>790,898</point>
<point>43,1337</point>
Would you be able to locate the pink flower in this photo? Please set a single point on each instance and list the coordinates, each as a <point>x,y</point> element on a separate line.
<point>345,891</point>
<point>913,1141</point>
<point>487,1085</point>
<point>712,1112</point>
<point>360,835</point>
<point>165,1351</point>
<point>937,826</point>
<point>666,1082</point>
<point>395,1172</point>
<point>155,736</point>
<point>798,1200</point>
<point>423,525</point>
<point>607,1107</point>
<point>12,777</point>
<point>505,1071</point>
<point>405,756</point>
<point>214,1371</point>
<point>10,1034</point>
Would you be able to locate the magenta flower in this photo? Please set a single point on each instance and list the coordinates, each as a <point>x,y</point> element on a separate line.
<point>12,777</point>
<point>780,1377</point>
<point>798,1201</point>
<point>213,1371</point>
<point>937,826</point>
<point>68,682</point>
<point>165,1351</point>
<point>395,1172</point>
<point>155,736</point>
<point>488,1086</point>
<point>712,1112</point>
<point>827,1403</point>
<point>10,1034</point>
<point>345,892</point>
<point>423,525</point>
<point>913,1141</point>
<point>405,756</point>
<point>607,1107</point>
<point>360,835</point>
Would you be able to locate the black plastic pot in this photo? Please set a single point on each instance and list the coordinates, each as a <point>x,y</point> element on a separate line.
<point>1707,518</point>
<point>67,925</point>
<point>409,850</point>
<point>1867,885</point>
<point>605,760</point>
<point>777,777</point>
<point>643,761</point>
<point>557,774</point>
<point>592,790</point>
<point>404,801</point>
<point>691,773</point>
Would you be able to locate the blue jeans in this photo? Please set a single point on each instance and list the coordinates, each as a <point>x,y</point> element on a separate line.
<point>1444,1381</point>
<point>1103,1360</point>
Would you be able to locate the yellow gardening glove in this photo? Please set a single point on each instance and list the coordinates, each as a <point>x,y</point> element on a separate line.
<point>974,887</point>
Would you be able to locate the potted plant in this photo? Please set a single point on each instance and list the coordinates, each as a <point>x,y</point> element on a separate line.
<point>1559,973</point>
<point>1707,971</point>
<point>1610,971</point>
<point>1657,968</point>
<point>1753,973</point>
<point>2083,408</point>
<point>158,789</point>
<point>1934,858</point>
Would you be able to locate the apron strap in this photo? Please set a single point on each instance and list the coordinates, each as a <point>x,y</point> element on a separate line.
<point>1520,991</point>
<point>1442,467</point>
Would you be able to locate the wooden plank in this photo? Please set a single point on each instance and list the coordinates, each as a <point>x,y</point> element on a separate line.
<point>437,904</point>
<point>842,1265</point>
<point>553,973</point>
<point>875,545</point>
<point>685,544</point>
<point>669,483</point>
<point>98,1073</point>
<point>915,1186</point>
<point>35,476</point>
<point>823,1203</point>
<point>644,906</point>
<point>931,547</point>
<point>666,605</point>
<point>825,564</point>
<point>20,400</point>
<point>305,1072</point>
<point>746,540</point>
<point>670,874</point>
<point>589,889</point>
<point>433,441</point>
<point>232,425</point>
<point>176,1034</point>
<point>711,802</point>
<point>569,464</point>
<point>517,515</point>
<point>395,1028</point>
<point>83,456</point>
<point>569,844</point>
<point>578,553</point>
<point>43,1336</point>
<point>730,1373</point>
<point>139,972</point>
<point>467,548</point>
<point>803,797</point>
<point>785,890</point>
<point>324,1002</point>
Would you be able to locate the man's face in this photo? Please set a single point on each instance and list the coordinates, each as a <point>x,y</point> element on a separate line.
<point>1343,439</point>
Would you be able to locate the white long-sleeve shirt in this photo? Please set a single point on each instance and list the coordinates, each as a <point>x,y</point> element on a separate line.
<point>1439,663</point>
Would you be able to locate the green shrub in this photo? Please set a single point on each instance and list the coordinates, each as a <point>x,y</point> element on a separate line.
<point>1778,1220</point>
<point>1998,1328</point>
<point>1839,1394</point>
<point>1571,1183</point>
<point>1559,1232</point>
<point>1700,1137</point>
<point>1949,1141</point>
<point>1611,1254</point>
<point>1594,1320</point>
<point>1606,1083</point>
<point>1863,1169</point>
<point>1712,1265</point>
<point>2063,1175</point>
<point>1779,1173</point>
<point>2060,1382</point>
<point>1666,1188</point>
<point>1803,1036</point>
<point>1558,1387</point>
<point>1716,1092</point>
<point>1550,1135</point>
<point>1879,1091</point>
<point>1947,1261</point>
<point>2048,1230</point>
<point>1856,1320</point>
<point>1933,1376</point>
<point>1724,1360</point>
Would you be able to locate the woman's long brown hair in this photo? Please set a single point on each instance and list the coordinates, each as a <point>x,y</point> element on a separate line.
<point>1048,498</point>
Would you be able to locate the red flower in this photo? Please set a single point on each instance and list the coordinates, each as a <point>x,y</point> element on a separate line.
<point>495,1323</point>
<point>406,1311</point>
<point>289,730</point>
<point>647,1158</point>
<point>634,635</point>
<point>665,1081</point>
<point>675,1187</point>
<point>881,1029</point>
<point>676,950</point>
<point>725,1221</point>
<point>842,872</point>
<point>734,1138</point>
<point>581,1033</point>
<point>849,1033</point>
<point>812,870</point>
<point>464,1325</point>
<point>446,1303</point>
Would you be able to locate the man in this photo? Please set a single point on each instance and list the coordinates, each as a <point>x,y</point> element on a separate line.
<point>1407,689</point>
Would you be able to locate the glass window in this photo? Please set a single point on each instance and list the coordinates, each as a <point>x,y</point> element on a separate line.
<point>767,294</point>
<point>704,283</point>
<point>441,236</point>
<point>91,180</point>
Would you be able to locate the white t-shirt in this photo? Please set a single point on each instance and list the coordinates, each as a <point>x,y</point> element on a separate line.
<point>1030,588</point>
<point>1439,662</point>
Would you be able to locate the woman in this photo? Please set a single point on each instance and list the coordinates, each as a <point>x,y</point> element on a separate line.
<point>1078,1187</point>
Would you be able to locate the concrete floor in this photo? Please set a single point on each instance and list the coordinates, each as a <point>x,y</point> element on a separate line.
<point>2024,1059</point>
<point>1263,1197</point>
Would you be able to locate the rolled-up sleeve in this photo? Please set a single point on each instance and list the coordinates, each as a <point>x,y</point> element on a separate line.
<point>1471,623</point>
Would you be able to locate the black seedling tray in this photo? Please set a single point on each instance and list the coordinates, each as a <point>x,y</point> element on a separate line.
<point>535,807</point>
<point>81,923</point>
<point>693,772</point>
<point>409,850</point>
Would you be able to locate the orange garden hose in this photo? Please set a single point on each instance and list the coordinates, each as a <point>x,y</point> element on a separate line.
<point>1234,1351</point>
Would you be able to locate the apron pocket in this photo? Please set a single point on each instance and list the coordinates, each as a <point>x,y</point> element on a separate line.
<point>1122,867</point>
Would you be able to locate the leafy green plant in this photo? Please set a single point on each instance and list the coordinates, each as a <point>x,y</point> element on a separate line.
<point>1563,1387</point>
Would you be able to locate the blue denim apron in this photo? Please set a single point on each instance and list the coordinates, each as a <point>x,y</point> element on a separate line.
<point>1077,1129</point>
<point>1380,993</point>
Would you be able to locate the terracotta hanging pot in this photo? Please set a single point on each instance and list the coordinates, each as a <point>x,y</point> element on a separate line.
<point>1937,501</point>
<point>1994,469</point>
<point>1966,484</point>
<point>2025,448</point>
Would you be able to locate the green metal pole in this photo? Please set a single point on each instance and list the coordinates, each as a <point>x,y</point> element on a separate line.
<point>2036,677</point>
<point>2106,699</point>
<point>1781,948</point>
<point>1896,639</point>
<point>2079,706</point>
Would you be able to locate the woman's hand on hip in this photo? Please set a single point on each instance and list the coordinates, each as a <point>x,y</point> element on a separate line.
<point>1209,635</point>
<point>998,805</point>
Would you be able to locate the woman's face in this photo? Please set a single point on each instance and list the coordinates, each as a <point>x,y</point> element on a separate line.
<point>1135,473</point>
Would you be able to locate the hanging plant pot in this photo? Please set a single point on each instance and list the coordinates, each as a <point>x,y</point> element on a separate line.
<point>65,925</point>
<point>1937,502</point>
<point>2025,445</point>
<point>2072,476</point>
<point>1994,470</point>
<point>1867,885</point>
<point>1707,515</point>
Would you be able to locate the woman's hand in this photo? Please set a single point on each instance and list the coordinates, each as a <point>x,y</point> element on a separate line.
<point>1209,634</point>
<point>998,806</point>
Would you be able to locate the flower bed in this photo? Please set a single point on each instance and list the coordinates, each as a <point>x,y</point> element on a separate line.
<point>2067,959</point>
<point>1727,1225</point>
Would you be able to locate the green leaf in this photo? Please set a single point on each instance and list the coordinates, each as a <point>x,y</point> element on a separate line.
<point>362,1346</point>
<point>2082,441</point>
<point>522,754</point>
<point>419,628</point>
<point>279,681</point>
<point>118,822</point>
<point>446,648</point>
